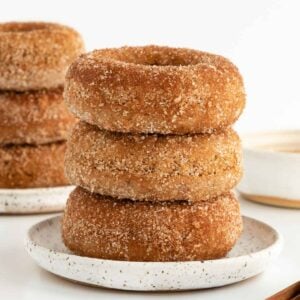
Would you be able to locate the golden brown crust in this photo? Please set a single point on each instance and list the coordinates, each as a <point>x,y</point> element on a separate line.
<point>155,89</point>
<point>35,55</point>
<point>28,166</point>
<point>107,228</point>
<point>153,167</point>
<point>34,117</point>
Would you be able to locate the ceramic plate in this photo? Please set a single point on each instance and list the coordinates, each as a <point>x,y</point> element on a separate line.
<point>37,200</point>
<point>255,250</point>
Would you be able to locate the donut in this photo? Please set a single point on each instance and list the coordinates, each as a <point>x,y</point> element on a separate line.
<point>103,227</point>
<point>153,167</point>
<point>34,117</point>
<point>29,166</point>
<point>155,89</point>
<point>36,55</point>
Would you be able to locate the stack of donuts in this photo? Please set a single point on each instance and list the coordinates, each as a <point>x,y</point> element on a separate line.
<point>154,157</point>
<point>34,121</point>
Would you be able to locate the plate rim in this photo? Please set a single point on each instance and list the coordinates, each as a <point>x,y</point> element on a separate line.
<point>25,191</point>
<point>34,200</point>
<point>278,243</point>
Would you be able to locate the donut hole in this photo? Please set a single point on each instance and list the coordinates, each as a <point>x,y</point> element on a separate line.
<point>161,61</point>
<point>154,56</point>
<point>22,27</point>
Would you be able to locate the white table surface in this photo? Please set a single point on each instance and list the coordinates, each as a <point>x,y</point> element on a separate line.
<point>21,278</point>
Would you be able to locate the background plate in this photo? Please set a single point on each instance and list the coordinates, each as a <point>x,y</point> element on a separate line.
<point>254,251</point>
<point>37,200</point>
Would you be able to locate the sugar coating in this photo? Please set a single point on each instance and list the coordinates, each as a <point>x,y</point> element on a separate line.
<point>155,89</point>
<point>31,166</point>
<point>36,55</point>
<point>192,167</point>
<point>108,228</point>
<point>156,157</point>
<point>34,117</point>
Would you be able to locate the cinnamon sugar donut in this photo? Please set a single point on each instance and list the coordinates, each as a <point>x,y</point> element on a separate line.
<point>103,227</point>
<point>29,166</point>
<point>34,117</point>
<point>155,89</point>
<point>153,167</point>
<point>35,55</point>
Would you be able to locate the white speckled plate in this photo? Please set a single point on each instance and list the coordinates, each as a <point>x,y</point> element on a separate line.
<point>255,250</point>
<point>37,200</point>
